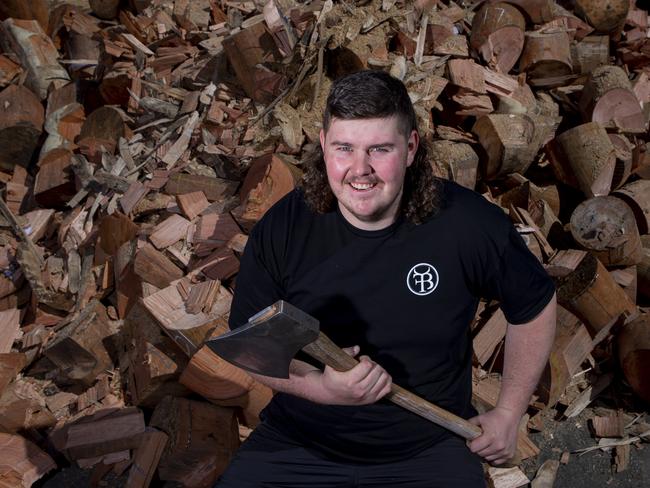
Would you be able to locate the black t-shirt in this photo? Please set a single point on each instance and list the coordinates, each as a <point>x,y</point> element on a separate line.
<point>405,294</point>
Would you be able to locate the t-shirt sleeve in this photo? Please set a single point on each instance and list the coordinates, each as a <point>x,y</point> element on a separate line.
<point>256,286</point>
<point>519,282</point>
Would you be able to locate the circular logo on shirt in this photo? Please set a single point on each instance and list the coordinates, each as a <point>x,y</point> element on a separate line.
<point>422,279</point>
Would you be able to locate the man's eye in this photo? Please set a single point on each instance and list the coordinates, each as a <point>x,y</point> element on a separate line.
<point>379,150</point>
<point>344,148</point>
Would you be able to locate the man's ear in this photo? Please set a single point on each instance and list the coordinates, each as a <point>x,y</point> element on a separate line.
<point>412,147</point>
<point>321,136</point>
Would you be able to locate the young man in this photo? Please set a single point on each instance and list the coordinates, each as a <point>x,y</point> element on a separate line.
<point>392,262</point>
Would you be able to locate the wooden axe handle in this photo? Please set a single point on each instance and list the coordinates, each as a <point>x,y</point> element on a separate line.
<point>330,354</point>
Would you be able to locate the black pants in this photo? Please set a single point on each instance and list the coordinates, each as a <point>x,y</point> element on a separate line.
<point>270,459</point>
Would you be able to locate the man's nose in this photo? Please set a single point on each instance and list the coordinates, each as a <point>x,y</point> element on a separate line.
<point>361,164</point>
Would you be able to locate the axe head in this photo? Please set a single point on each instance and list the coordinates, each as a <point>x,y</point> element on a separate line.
<point>269,341</point>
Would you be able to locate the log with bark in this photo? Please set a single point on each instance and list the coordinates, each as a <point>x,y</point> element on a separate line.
<point>588,290</point>
<point>585,158</point>
<point>37,54</point>
<point>498,35</point>
<point>546,55</point>
<point>608,99</point>
<point>20,127</point>
<point>607,228</point>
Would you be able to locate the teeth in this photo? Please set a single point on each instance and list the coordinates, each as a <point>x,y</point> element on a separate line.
<point>362,186</point>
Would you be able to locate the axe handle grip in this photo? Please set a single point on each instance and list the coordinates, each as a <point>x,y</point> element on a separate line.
<point>331,355</point>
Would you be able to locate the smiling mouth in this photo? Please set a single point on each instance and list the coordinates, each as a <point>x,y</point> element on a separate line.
<point>362,186</point>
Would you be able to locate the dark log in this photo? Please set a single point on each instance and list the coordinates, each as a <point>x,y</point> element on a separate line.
<point>100,435</point>
<point>81,348</point>
<point>606,16</point>
<point>105,9</point>
<point>202,439</point>
<point>20,126</point>
<point>606,227</point>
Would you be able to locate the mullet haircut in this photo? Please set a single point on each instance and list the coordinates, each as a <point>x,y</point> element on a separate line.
<point>373,94</point>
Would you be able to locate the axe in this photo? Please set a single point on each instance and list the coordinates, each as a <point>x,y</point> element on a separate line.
<point>269,341</point>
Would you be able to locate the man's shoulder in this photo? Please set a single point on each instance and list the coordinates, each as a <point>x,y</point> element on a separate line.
<point>459,202</point>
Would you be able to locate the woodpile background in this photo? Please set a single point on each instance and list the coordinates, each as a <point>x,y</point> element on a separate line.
<point>140,140</point>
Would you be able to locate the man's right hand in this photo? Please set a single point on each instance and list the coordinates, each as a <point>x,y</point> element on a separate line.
<point>366,383</point>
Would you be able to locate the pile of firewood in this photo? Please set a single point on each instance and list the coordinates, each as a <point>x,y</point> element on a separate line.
<point>140,141</point>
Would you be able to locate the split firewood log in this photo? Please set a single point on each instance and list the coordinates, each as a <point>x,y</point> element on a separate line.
<point>624,150</point>
<point>498,34</point>
<point>64,118</point>
<point>155,361</point>
<point>634,355</point>
<point>627,279</point>
<point>105,9</point>
<point>457,161</point>
<point>607,228</point>
<point>224,384</point>
<point>81,348</point>
<point>563,19</point>
<point>54,185</point>
<point>590,53</point>
<point>546,55</point>
<point>202,440</point>
<point>9,71</point>
<point>268,180</point>
<point>606,16</point>
<point>104,434</point>
<point>101,132</point>
<point>571,347</point>
<point>537,11</point>
<point>36,52</point>
<point>23,407</point>
<point>23,462</point>
<point>637,195</point>
<point>247,50</point>
<point>588,290</point>
<point>21,126</point>
<point>608,99</point>
<point>146,458</point>
<point>33,10</point>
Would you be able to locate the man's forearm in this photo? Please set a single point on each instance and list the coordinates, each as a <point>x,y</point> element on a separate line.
<point>302,381</point>
<point>365,383</point>
<point>527,349</point>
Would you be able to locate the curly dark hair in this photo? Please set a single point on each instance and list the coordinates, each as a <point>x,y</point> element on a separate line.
<point>365,95</point>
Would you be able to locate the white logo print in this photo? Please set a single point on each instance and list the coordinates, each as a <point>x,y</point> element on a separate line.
<point>422,279</point>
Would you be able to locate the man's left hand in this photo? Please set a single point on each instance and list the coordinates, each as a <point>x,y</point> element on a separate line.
<point>498,443</point>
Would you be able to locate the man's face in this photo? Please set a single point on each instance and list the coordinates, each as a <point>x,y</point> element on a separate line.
<point>366,160</point>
